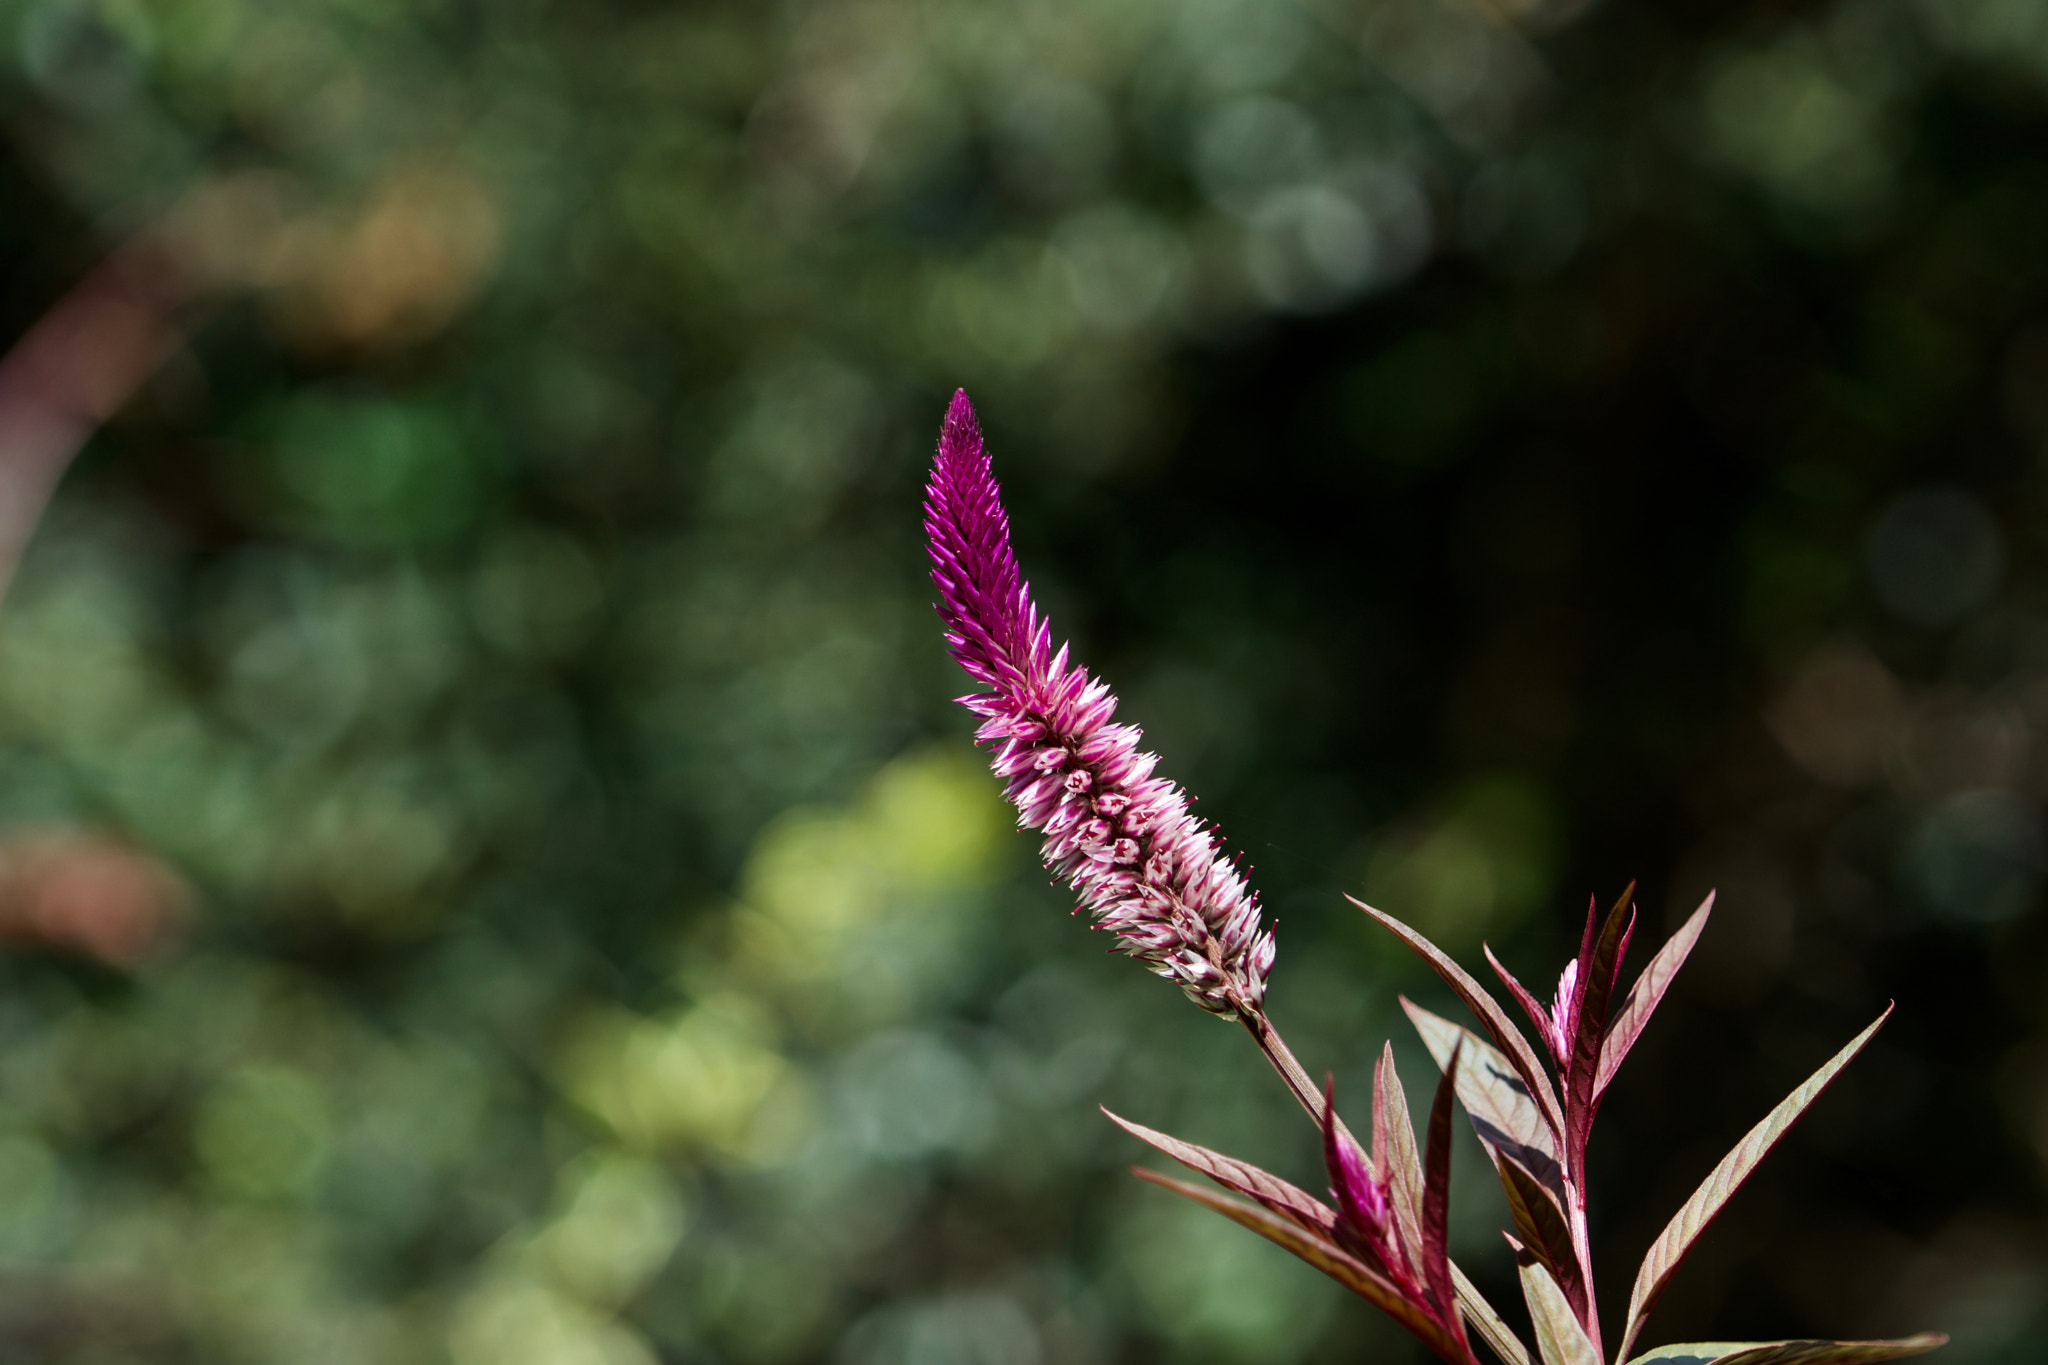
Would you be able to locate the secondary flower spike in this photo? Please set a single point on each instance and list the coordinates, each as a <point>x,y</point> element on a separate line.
<point>1144,868</point>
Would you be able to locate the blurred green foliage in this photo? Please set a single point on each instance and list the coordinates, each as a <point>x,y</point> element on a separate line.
<point>490,871</point>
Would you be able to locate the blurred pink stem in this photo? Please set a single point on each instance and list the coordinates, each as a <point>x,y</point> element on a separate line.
<point>70,373</point>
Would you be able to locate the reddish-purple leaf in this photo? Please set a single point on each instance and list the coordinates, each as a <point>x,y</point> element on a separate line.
<point>1838,1352</point>
<point>1492,1328</point>
<point>1586,944</point>
<point>1531,1006</point>
<point>1543,1228</point>
<point>1399,1163</point>
<point>1502,1112</point>
<point>1332,1260</point>
<point>1628,935</point>
<point>1792,1352</point>
<point>1560,1339</point>
<point>1498,1026</point>
<point>1436,1199</point>
<point>1684,1228</point>
<point>1394,1153</point>
<point>1643,997</point>
<point>1597,971</point>
<point>1289,1201</point>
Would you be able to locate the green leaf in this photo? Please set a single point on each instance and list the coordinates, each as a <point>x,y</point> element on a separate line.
<point>1791,1352</point>
<point>1559,1337</point>
<point>1502,1111</point>
<point>1289,1201</point>
<point>1394,1154</point>
<point>1684,1228</point>
<point>1645,995</point>
<point>1498,1025</point>
<point>1491,1327</point>
<point>1325,1256</point>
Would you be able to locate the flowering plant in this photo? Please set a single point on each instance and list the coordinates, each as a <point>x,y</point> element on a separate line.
<point>1153,876</point>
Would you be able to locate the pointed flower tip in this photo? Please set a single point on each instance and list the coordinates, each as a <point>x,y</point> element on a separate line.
<point>961,436</point>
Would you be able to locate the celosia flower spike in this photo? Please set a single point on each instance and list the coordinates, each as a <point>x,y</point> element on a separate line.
<point>1144,868</point>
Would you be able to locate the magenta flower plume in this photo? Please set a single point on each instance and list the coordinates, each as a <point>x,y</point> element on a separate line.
<point>1144,868</point>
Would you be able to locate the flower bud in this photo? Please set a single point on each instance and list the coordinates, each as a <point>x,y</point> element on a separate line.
<point>1361,1199</point>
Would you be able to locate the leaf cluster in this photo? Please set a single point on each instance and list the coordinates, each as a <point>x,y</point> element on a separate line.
<point>1534,1122</point>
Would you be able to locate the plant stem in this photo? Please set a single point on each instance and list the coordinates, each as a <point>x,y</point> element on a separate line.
<point>1283,1060</point>
<point>1582,1246</point>
<point>1282,1057</point>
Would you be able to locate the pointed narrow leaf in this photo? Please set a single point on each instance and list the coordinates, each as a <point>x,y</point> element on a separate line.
<point>1436,1199</point>
<point>1498,1026</point>
<point>1596,988</point>
<point>1491,1327</point>
<point>1644,996</point>
<point>1559,1337</point>
<point>1592,930</point>
<point>1837,1352</point>
<point>1792,1352</point>
<point>1628,898</point>
<point>1531,1006</point>
<point>1690,1221</point>
<point>1289,1201</point>
<point>1543,1228</point>
<point>1395,1155</point>
<point>1325,1256</point>
<point>1502,1111</point>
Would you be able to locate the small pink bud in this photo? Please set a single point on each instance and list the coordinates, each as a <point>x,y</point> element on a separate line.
<point>1153,936</point>
<point>1563,1018</point>
<point>1124,851</point>
<point>1079,780</point>
<point>1111,804</point>
<point>1361,1199</point>
<point>1261,957</point>
<point>1045,760</point>
<point>1159,867</point>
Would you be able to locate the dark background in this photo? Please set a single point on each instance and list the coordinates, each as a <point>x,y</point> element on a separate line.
<point>490,869</point>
